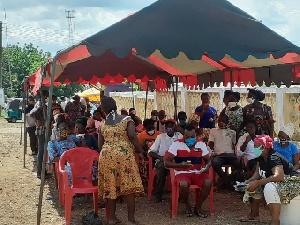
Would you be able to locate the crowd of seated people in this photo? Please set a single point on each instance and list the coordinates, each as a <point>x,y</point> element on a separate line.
<point>208,139</point>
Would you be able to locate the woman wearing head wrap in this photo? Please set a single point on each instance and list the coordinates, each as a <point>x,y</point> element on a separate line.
<point>259,112</point>
<point>118,171</point>
<point>275,179</point>
<point>284,147</point>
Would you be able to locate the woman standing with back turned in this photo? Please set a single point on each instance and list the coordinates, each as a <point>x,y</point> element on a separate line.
<point>118,170</point>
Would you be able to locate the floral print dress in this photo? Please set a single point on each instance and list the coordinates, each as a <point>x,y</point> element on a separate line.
<point>118,171</point>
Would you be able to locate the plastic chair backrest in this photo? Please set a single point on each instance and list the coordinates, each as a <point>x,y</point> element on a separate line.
<point>81,162</point>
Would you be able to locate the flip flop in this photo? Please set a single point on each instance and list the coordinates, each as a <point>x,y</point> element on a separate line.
<point>200,213</point>
<point>248,219</point>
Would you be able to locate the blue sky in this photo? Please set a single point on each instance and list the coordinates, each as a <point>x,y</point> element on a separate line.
<point>44,23</point>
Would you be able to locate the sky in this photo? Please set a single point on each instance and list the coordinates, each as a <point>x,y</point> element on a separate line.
<point>44,23</point>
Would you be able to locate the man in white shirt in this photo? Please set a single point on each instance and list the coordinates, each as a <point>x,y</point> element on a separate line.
<point>222,141</point>
<point>30,126</point>
<point>157,152</point>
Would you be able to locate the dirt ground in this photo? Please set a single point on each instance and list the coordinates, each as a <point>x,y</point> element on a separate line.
<point>19,193</point>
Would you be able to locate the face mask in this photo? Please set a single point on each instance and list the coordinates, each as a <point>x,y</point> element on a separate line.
<point>170,133</point>
<point>190,142</point>
<point>222,125</point>
<point>154,118</point>
<point>182,123</point>
<point>282,141</point>
<point>250,100</point>
<point>257,151</point>
<point>151,132</point>
<point>64,133</point>
<point>232,104</point>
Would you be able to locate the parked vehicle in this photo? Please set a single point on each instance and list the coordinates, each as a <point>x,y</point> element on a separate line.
<point>13,110</point>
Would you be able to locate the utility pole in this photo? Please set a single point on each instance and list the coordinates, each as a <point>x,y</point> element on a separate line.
<point>70,16</point>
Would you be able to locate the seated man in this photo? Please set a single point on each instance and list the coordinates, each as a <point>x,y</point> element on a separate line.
<point>188,153</point>
<point>146,139</point>
<point>222,141</point>
<point>157,152</point>
<point>285,148</point>
<point>182,121</point>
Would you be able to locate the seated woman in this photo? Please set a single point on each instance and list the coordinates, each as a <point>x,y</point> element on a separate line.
<point>275,179</point>
<point>284,147</point>
<point>245,145</point>
<point>83,139</point>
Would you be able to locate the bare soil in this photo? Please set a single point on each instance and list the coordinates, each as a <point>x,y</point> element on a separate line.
<point>19,193</point>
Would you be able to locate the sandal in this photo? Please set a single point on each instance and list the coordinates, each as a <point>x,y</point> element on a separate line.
<point>249,219</point>
<point>200,213</point>
<point>188,212</point>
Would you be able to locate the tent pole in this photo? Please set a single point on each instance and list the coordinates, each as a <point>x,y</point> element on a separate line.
<point>231,85</point>
<point>47,134</point>
<point>146,102</point>
<point>175,97</point>
<point>133,105</point>
<point>25,97</point>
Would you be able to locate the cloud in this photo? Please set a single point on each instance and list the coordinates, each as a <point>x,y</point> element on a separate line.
<point>44,23</point>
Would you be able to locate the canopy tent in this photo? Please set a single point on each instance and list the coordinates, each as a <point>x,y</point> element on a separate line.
<point>209,38</point>
<point>92,94</point>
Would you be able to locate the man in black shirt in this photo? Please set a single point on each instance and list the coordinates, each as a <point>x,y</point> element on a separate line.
<point>270,175</point>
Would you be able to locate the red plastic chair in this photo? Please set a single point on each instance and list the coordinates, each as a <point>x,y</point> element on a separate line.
<point>175,193</point>
<point>81,162</point>
<point>152,174</point>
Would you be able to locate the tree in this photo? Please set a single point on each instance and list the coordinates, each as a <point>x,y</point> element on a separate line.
<point>19,62</point>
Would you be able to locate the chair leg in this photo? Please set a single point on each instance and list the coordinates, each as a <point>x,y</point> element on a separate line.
<point>68,207</point>
<point>61,191</point>
<point>95,196</point>
<point>150,186</point>
<point>211,200</point>
<point>174,202</point>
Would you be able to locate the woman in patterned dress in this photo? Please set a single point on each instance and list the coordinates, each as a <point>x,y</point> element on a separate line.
<point>118,170</point>
<point>259,112</point>
<point>234,112</point>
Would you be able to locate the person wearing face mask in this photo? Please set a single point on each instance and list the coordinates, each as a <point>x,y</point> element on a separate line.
<point>275,179</point>
<point>30,126</point>
<point>146,138</point>
<point>233,111</point>
<point>222,141</point>
<point>259,112</point>
<point>186,156</point>
<point>284,147</point>
<point>182,122</point>
<point>202,133</point>
<point>157,152</point>
<point>154,115</point>
<point>57,147</point>
<point>208,114</point>
<point>225,98</point>
<point>245,145</point>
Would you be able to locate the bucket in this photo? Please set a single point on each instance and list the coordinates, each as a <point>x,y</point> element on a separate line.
<point>290,213</point>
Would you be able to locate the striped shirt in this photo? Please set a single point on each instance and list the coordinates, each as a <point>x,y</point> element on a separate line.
<point>183,153</point>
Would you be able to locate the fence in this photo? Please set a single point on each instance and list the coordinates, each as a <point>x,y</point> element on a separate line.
<point>285,102</point>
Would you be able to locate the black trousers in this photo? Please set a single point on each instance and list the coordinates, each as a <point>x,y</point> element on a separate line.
<point>224,159</point>
<point>33,139</point>
<point>162,173</point>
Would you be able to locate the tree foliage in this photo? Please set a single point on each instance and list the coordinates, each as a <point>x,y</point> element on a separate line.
<point>19,62</point>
